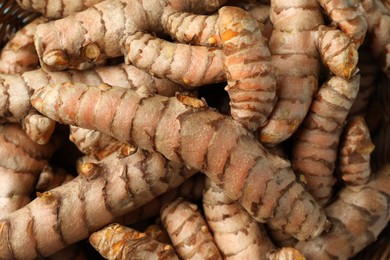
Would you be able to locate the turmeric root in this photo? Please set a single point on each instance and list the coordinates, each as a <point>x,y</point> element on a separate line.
<point>126,76</point>
<point>188,231</point>
<point>182,63</point>
<point>358,215</point>
<point>348,17</point>
<point>197,29</point>
<point>315,148</point>
<point>337,51</point>
<point>16,91</point>
<point>247,61</point>
<point>62,216</point>
<point>236,233</point>
<point>99,31</point>
<point>21,162</point>
<point>119,242</point>
<point>250,76</point>
<point>185,131</point>
<point>355,152</point>
<point>302,40</point>
<point>19,54</point>
<point>58,8</point>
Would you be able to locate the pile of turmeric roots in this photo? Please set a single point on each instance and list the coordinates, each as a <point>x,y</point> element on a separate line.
<point>192,129</point>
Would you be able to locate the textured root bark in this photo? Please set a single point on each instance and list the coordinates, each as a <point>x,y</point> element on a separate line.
<point>185,131</point>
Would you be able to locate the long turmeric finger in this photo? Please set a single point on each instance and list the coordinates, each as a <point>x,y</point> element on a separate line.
<point>57,8</point>
<point>236,233</point>
<point>197,29</point>
<point>315,148</point>
<point>184,130</point>
<point>296,84</point>
<point>120,242</point>
<point>355,152</point>
<point>193,28</point>
<point>348,17</point>
<point>358,215</point>
<point>22,160</point>
<point>16,91</point>
<point>188,231</point>
<point>62,216</point>
<point>250,75</point>
<point>19,54</point>
<point>182,63</point>
<point>99,31</point>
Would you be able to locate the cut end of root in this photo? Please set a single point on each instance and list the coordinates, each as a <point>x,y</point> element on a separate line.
<point>47,197</point>
<point>128,150</point>
<point>91,52</point>
<point>89,170</point>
